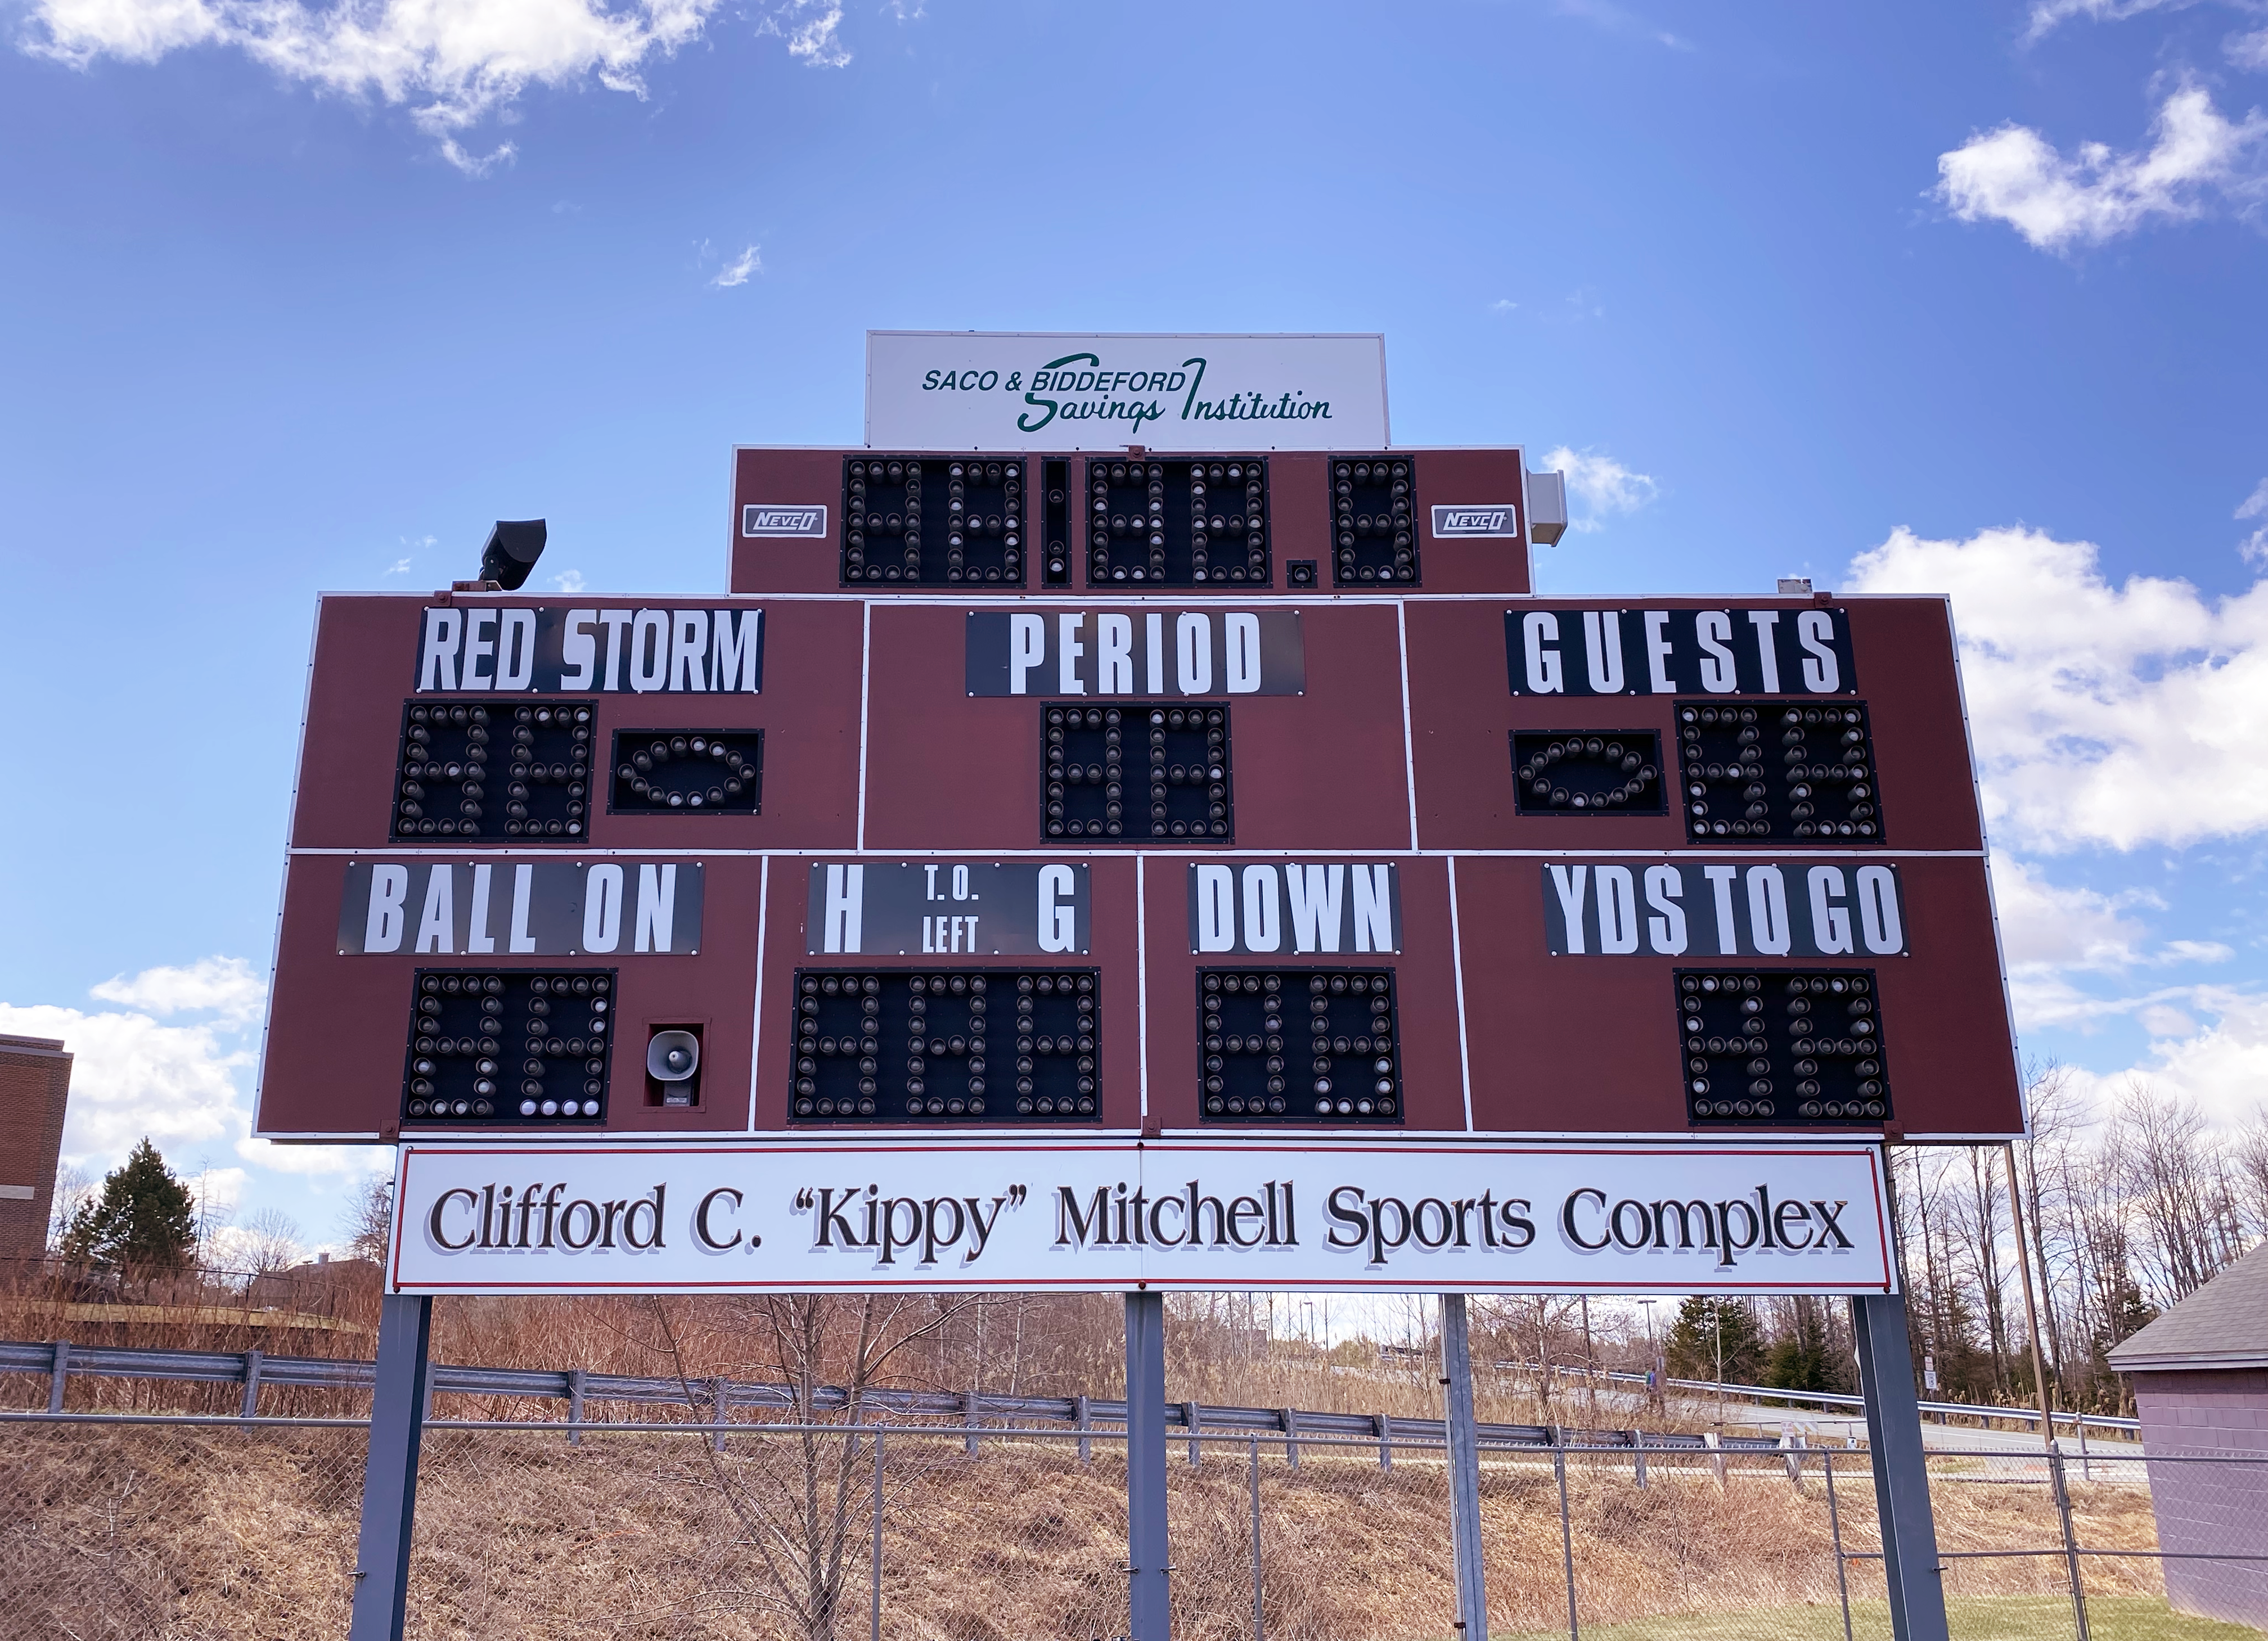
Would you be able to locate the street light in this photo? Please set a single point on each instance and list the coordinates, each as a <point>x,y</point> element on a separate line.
<point>1653,1359</point>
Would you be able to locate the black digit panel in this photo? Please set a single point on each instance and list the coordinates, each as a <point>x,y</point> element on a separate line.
<point>1177,523</point>
<point>1055,522</point>
<point>1298,1045</point>
<point>510,1048</point>
<point>934,520</point>
<point>986,1046</point>
<point>1779,772</point>
<point>1782,1047</point>
<point>1373,522</point>
<point>1592,772</point>
<point>1137,772</point>
<point>679,771</point>
<point>481,769</point>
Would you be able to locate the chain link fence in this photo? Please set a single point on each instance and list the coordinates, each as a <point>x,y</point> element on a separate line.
<point>186,1528</point>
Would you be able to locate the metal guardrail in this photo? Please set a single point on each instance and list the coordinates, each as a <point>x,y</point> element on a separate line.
<point>59,1361</point>
<point>1820,1398</point>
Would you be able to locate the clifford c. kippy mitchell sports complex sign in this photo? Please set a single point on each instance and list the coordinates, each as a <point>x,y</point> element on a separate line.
<point>997,392</point>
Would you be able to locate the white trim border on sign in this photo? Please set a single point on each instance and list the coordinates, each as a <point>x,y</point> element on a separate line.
<point>1043,1212</point>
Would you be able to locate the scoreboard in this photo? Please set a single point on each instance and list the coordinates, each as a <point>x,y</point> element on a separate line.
<point>1077,793</point>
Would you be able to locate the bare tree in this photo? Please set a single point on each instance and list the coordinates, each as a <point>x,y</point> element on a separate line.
<point>368,1220</point>
<point>268,1242</point>
<point>74,1187</point>
<point>799,1498</point>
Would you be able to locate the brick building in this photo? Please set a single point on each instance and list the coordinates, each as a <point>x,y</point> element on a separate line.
<point>35,1087</point>
<point>2200,1376</point>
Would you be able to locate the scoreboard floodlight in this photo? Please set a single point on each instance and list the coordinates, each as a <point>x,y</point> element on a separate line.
<point>1218,779</point>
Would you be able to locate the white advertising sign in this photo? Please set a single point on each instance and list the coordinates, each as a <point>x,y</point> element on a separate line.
<point>989,390</point>
<point>1105,1213</point>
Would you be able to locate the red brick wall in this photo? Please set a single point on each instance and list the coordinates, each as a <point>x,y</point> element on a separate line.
<point>2195,1425</point>
<point>34,1085</point>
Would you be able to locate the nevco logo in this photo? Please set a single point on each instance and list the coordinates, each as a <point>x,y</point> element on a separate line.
<point>1500,519</point>
<point>801,521</point>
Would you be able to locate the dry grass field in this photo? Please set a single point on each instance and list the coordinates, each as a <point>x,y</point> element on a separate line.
<point>197,1534</point>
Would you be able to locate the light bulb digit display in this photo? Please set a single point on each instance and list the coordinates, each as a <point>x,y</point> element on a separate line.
<point>940,521</point>
<point>509,1048</point>
<point>1783,1047</point>
<point>1298,1046</point>
<point>1180,522</point>
<point>1588,772</point>
<point>1374,521</point>
<point>688,771</point>
<point>1779,772</point>
<point>1054,521</point>
<point>489,769</point>
<point>982,1046</point>
<point>1137,772</point>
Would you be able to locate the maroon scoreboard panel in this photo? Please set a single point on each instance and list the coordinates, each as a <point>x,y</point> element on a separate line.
<point>1202,794</point>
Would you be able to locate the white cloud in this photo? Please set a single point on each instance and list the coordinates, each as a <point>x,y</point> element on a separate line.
<point>736,272</point>
<point>451,65</point>
<point>401,568</point>
<point>2121,716</point>
<point>2254,548</point>
<point>2014,175</point>
<point>182,1085</point>
<point>2046,927</point>
<point>811,28</point>
<point>2247,51</point>
<point>132,1077</point>
<point>226,986</point>
<point>1602,484</point>
<point>2046,14</point>
<point>568,581</point>
<point>1503,305</point>
<point>2223,1067</point>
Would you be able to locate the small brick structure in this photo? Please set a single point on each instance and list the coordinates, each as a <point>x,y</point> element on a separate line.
<point>35,1087</point>
<point>2200,1375</point>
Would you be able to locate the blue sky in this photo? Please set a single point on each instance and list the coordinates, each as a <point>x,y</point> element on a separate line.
<point>1962,297</point>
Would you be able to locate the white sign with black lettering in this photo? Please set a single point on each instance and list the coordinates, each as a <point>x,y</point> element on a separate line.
<point>469,648</point>
<point>1101,1213</point>
<point>1781,652</point>
<point>974,909</point>
<point>1136,652</point>
<point>1722,908</point>
<point>1331,906</point>
<point>523,907</point>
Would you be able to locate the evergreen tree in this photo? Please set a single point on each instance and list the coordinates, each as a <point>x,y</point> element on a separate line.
<point>144,1218</point>
<point>1808,1357</point>
<point>1693,1342</point>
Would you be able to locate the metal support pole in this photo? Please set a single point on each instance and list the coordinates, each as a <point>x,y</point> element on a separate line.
<point>1252,1462</point>
<point>1464,1470</point>
<point>1834,1532</point>
<point>1383,1423</point>
<point>389,1484</point>
<point>2069,1545</point>
<point>968,1418</point>
<point>1084,1422</point>
<point>1910,1564</point>
<point>575,1379</point>
<point>874,1594</point>
<point>58,1375</point>
<point>717,1388</point>
<point>1289,1417</point>
<point>252,1359</point>
<point>1148,1610</point>
<point>1567,1536</point>
<point>1189,1416</point>
<point>1638,1446</point>
<point>2031,1307</point>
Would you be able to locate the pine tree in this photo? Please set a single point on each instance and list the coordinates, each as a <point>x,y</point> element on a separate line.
<point>145,1219</point>
<point>1806,1357</point>
<point>1693,1341</point>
